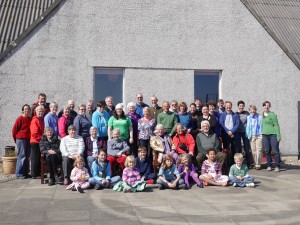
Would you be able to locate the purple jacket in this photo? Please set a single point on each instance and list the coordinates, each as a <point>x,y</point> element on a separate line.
<point>134,119</point>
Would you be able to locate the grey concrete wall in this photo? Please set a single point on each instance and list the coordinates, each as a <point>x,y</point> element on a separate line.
<point>59,56</point>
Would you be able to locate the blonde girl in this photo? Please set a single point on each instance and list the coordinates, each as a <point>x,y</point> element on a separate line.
<point>79,176</point>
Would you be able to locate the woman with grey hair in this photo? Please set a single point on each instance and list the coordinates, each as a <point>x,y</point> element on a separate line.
<point>49,145</point>
<point>162,145</point>
<point>134,117</point>
<point>206,140</point>
<point>93,145</point>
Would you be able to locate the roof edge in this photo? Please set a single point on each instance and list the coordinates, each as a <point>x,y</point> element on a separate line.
<point>271,33</point>
<point>18,40</point>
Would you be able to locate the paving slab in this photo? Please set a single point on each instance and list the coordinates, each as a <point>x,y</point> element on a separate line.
<point>275,200</point>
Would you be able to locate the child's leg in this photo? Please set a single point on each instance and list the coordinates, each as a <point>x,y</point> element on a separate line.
<point>185,176</point>
<point>248,179</point>
<point>194,176</point>
<point>234,179</point>
<point>159,181</point>
<point>85,185</point>
<point>115,180</point>
<point>209,180</point>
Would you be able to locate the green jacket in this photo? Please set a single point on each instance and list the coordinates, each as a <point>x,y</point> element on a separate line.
<point>270,125</point>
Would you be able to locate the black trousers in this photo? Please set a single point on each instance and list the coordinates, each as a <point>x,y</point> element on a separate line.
<point>52,161</point>
<point>35,157</point>
<point>67,166</point>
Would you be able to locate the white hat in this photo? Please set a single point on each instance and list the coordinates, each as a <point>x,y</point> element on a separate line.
<point>119,106</point>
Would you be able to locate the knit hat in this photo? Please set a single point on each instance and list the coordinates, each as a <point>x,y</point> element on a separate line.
<point>119,106</point>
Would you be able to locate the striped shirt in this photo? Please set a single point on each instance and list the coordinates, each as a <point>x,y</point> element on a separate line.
<point>71,146</point>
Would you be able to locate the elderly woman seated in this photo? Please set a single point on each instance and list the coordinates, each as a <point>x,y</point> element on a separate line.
<point>71,146</point>
<point>49,145</point>
<point>117,149</point>
<point>206,140</point>
<point>162,145</point>
<point>93,145</point>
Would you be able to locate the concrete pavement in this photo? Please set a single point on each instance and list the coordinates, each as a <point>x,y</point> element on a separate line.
<point>275,200</point>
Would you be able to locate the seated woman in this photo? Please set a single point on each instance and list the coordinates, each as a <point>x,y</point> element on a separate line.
<point>92,146</point>
<point>207,140</point>
<point>49,145</point>
<point>162,145</point>
<point>183,141</point>
<point>117,149</point>
<point>71,146</point>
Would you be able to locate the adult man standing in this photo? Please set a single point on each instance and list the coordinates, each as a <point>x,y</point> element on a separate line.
<point>230,122</point>
<point>155,109</point>
<point>73,113</point>
<point>89,110</point>
<point>42,98</point>
<point>167,119</point>
<point>110,108</point>
<point>140,105</point>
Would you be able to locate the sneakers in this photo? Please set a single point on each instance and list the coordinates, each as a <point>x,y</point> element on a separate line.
<point>126,191</point>
<point>200,185</point>
<point>276,169</point>
<point>161,187</point>
<point>250,184</point>
<point>150,181</point>
<point>183,186</point>
<point>269,168</point>
<point>234,185</point>
<point>79,189</point>
<point>257,167</point>
<point>97,187</point>
<point>56,179</point>
<point>51,182</point>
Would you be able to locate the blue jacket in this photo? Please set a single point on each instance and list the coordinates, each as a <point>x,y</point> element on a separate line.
<point>236,121</point>
<point>100,120</point>
<point>186,120</point>
<point>99,173</point>
<point>169,174</point>
<point>139,109</point>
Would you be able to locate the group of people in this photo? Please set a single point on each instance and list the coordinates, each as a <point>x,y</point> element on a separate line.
<point>104,146</point>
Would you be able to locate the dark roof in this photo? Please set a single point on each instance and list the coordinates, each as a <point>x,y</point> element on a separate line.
<point>18,18</point>
<point>281,19</point>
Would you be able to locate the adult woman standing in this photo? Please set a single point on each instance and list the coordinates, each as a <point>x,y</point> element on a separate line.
<point>213,112</point>
<point>185,119</point>
<point>49,145</point>
<point>36,133</point>
<point>146,127</point>
<point>64,122</point>
<point>21,136</point>
<point>253,130</point>
<point>100,120</point>
<point>82,123</point>
<point>206,116</point>
<point>122,122</point>
<point>271,136</point>
<point>134,117</point>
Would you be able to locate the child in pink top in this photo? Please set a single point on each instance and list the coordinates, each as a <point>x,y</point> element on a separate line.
<point>80,176</point>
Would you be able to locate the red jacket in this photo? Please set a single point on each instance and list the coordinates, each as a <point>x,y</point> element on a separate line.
<point>21,128</point>
<point>36,129</point>
<point>187,139</point>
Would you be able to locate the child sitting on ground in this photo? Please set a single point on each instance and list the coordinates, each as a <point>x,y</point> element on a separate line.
<point>101,173</point>
<point>211,172</point>
<point>131,177</point>
<point>79,176</point>
<point>187,170</point>
<point>238,174</point>
<point>168,175</point>
<point>144,165</point>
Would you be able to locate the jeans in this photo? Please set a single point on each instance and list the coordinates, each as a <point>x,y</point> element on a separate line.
<point>179,183</point>
<point>113,180</point>
<point>271,141</point>
<point>241,183</point>
<point>238,144</point>
<point>90,160</point>
<point>24,150</point>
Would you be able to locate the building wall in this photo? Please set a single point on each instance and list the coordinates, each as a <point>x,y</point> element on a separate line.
<point>159,43</point>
